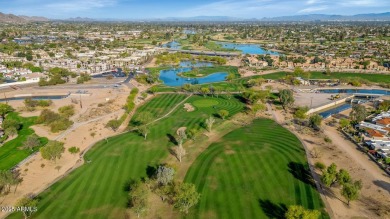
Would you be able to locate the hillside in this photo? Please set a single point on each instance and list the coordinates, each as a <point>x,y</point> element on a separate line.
<point>11,18</point>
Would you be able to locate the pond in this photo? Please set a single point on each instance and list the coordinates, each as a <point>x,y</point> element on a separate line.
<point>251,49</point>
<point>170,77</point>
<point>172,45</point>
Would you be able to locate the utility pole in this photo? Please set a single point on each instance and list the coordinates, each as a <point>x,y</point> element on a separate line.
<point>311,102</point>
<point>5,97</point>
<point>81,105</point>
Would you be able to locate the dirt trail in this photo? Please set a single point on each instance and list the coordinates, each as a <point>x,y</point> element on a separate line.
<point>375,194</point>
<point>360,158</point>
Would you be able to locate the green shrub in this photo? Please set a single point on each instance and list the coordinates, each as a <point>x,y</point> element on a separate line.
<point>66,111</point>
<point>327,139</point>
<point>47,117</point>
<point>60,125</point>
<point>319,165</point>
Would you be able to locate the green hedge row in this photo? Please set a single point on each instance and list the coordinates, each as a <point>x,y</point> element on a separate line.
<point>130,100</point>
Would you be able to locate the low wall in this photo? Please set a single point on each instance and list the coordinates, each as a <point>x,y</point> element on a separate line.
<point>42,94</point>
<point>18,83</point>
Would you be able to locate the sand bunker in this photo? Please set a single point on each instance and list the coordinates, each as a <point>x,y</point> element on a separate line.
<point>181,129</point>
<point>188,107</point>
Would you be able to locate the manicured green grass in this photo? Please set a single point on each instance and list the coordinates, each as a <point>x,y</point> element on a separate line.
<point>253,172</point>
<point>10,154</point>
<point>96,189</point>
<point>205,103</point>
<point>204,71</point>
<point>160,106</point>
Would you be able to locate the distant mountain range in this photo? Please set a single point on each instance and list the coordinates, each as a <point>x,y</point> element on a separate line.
<point>324,17</point>
<point>10,18</point>
<point>309,17</point>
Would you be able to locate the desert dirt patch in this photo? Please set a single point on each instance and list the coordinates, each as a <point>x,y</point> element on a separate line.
<point>188,107</point>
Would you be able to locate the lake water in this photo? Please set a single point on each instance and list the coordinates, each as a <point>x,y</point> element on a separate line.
<point>170,77</point>
<point>251,49</point>
<point>172,45</point>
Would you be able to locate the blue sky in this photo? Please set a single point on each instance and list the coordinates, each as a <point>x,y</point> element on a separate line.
<point>130,9</point>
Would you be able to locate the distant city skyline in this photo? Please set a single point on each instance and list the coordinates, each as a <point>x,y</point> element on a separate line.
<point>136,9</point>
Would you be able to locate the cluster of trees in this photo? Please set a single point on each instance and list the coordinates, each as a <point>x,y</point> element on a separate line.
<point>57,121</point>
<point>13,64</point>
<point>216,59</point>
<point>83,78</point>
<point>115,123</point>
<point>266,58</point>
<point>9,178</point>
<point>30,202</point>
<point>255,82</point>
<point>28,55</point>
<point>9,125</point>
<point>171,58</point>
<point>176,58</point>
<point>52,150</point>
<point>31,104</point>
<point>146,78</point>
<point>32,67</point>
<point>181,195</point>
<point>314,121</point>
<point>57,76</point>
<point>210,90</point>
<point>331,176</point>
<point>291,78</point>
<point>358,113</point>
<point>256,99</point>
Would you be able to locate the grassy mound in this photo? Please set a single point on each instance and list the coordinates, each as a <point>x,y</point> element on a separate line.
<point>253,172</point>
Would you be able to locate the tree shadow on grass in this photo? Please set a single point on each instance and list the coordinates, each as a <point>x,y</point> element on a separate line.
<point>301,172</point>
<point>151,171</point>
<point>172,139</point>
<point>273,210</point>
<point>240,98</point>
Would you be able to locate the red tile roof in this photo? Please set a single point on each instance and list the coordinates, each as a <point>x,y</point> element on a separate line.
<point>384,121</point>
<point>374,133</point>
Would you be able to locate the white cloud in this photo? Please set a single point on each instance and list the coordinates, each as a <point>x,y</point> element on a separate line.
<point>312,2</point>
<point>232,7</point>
<point>313,9</point>
<point>78,5</point>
